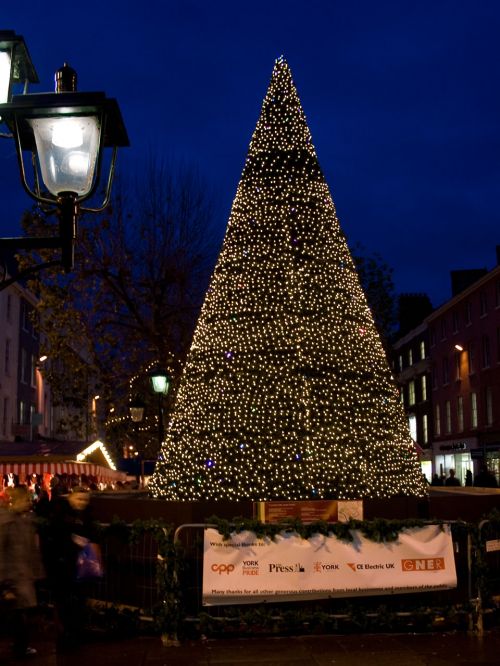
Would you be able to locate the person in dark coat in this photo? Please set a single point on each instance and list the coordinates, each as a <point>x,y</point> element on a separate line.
<point>70,527</point>
<point>485,479</point>
<point>20,566</point>
<point>452,479</point>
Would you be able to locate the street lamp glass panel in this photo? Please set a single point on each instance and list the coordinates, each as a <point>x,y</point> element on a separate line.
<point>67,152</point>
<point>5,65</point>
<point>160,383</point>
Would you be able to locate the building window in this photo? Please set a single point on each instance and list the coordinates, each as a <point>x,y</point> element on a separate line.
<point>434,377</point>
<point>410,357</point>
<point>460,413</point>
<point>447,408</point>
<point>422,350</point>
<point>443,329</point>
<point>432,337</point>
<point>425,429</point>
<point>23,412</point>
<point>473,410</point>
<point>471,358</point>
<point>485,351</point>
<point>25,319</point>
<point>437,420</point>
<point>446,371</point>
<point>468,313</point>
<point>402,396</point>
<point>5,416</point>
<point>9,308</point>
<point>400,362</point>
<point>424,387</point>
<point>24,366</point>
<point>411,392</point>
<point>483,304</point>
<point>455,321</point>
<point>489,406</point>
<point>458,358</point>
<point>33,371</point>
<point>497,294</point>
<point>412,424</point>
<point>6,364</point>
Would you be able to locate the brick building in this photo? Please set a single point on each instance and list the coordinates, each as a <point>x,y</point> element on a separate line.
<point>464,339</point>
<point>448,369</point>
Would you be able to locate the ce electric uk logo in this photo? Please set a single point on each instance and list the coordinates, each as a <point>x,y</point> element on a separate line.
<point>223,568</point>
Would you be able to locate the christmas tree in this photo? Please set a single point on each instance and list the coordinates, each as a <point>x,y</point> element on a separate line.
<point>286,392</point>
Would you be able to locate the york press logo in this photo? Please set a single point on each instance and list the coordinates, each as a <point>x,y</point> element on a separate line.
<point>325,567</point>
<point>286,568</point>
<point>223,568</point>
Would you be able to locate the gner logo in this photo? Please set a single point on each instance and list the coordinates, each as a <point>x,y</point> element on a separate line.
<point>423,564</point>
<point>223,568</point>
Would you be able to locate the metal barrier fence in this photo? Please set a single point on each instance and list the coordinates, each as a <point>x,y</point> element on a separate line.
<point>130,574</point>
<point>191,538</point>
<point>131,577</point>
<point>487,571</point>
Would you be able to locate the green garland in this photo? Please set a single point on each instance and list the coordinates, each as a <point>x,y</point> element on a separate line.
<point>379,530</point>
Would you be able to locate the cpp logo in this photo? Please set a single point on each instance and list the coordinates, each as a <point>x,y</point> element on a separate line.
<point>223,568</point>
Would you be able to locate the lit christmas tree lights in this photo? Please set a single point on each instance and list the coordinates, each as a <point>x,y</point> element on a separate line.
<point>286,392</point>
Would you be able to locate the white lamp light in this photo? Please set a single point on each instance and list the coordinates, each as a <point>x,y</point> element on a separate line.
<point>67,150</point>
<point>159,381</point>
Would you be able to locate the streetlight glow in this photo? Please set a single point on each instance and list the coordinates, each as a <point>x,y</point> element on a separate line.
<point>67,152</point>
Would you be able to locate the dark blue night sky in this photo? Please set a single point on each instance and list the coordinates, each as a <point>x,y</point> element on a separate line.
<point>402,98</point>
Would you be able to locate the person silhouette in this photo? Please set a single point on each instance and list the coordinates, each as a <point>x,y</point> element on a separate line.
<point>452,479</point>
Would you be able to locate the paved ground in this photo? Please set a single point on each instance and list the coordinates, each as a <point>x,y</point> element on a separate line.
<point>436,649</point>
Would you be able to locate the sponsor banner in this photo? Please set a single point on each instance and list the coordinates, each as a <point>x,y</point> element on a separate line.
<point>246,569</point>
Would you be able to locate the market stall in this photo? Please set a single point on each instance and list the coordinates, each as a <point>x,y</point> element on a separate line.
<point>55,457</point>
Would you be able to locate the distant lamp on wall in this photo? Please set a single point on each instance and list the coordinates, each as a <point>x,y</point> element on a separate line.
<point>459,348</point>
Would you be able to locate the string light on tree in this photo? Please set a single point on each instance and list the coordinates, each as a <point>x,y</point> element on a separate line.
<point>286,392</point>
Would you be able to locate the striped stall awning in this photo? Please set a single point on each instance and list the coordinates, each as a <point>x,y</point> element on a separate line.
<point>24,469</point>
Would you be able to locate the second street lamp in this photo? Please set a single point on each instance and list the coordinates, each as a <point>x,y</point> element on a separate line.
<point>160,383</point>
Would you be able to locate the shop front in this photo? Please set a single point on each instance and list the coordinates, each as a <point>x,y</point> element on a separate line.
<point>454,454</point>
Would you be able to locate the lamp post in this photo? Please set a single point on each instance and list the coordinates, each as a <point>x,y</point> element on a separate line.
<point>66,133</point>
<point>160,384</point>
<point>136,409</point>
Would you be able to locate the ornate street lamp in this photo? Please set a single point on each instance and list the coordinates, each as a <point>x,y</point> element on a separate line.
<point>160,383</point>
<point>15,64</point>
<point>65,132</point>
<point>136,408</point>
